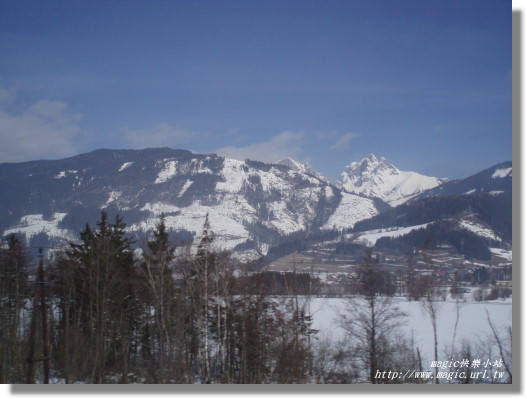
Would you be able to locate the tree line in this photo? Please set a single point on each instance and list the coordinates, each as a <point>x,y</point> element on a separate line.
<point>158,317</point>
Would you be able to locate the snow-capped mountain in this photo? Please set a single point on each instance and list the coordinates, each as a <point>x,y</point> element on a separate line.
<point>303,167</point>
<point>251,205</point>
<point>376,178</point>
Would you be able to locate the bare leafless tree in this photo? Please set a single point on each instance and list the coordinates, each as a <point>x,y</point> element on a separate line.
<point>504,345</point>
<point>371,320</point>
<point>431,304</point>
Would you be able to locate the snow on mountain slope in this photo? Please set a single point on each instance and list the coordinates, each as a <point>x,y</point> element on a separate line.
<point>350,210</point>
<point>479,229</point>
<point>372,177</point>
<point>168,171</point>
<point>282,200</point>
<point>227,220</point>
<point>125,165</point>
<point>31,225</point>
<point>501,173</point>
<point>303,167</point>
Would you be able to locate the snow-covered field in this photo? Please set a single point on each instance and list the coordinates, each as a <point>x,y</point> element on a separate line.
<point>369,238</point>
<point>472,327</point>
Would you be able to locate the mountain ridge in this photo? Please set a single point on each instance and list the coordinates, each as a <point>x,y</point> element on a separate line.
<point>252,205</point>
<point>493,180</point>
<point>249,203</point>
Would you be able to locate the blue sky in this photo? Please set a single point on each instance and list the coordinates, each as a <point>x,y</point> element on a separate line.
<point>424,83</point>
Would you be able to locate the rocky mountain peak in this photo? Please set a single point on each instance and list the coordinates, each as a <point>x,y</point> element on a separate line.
<point>374,177</point>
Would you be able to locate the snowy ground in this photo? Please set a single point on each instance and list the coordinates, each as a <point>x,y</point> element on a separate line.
<point>31,225</point>
<point>473,325</point>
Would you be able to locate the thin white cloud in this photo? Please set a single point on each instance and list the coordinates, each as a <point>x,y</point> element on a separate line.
<point>160,135</point>
<point>343,141</point>
<point>286,144</point>
<point>43,130</point>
